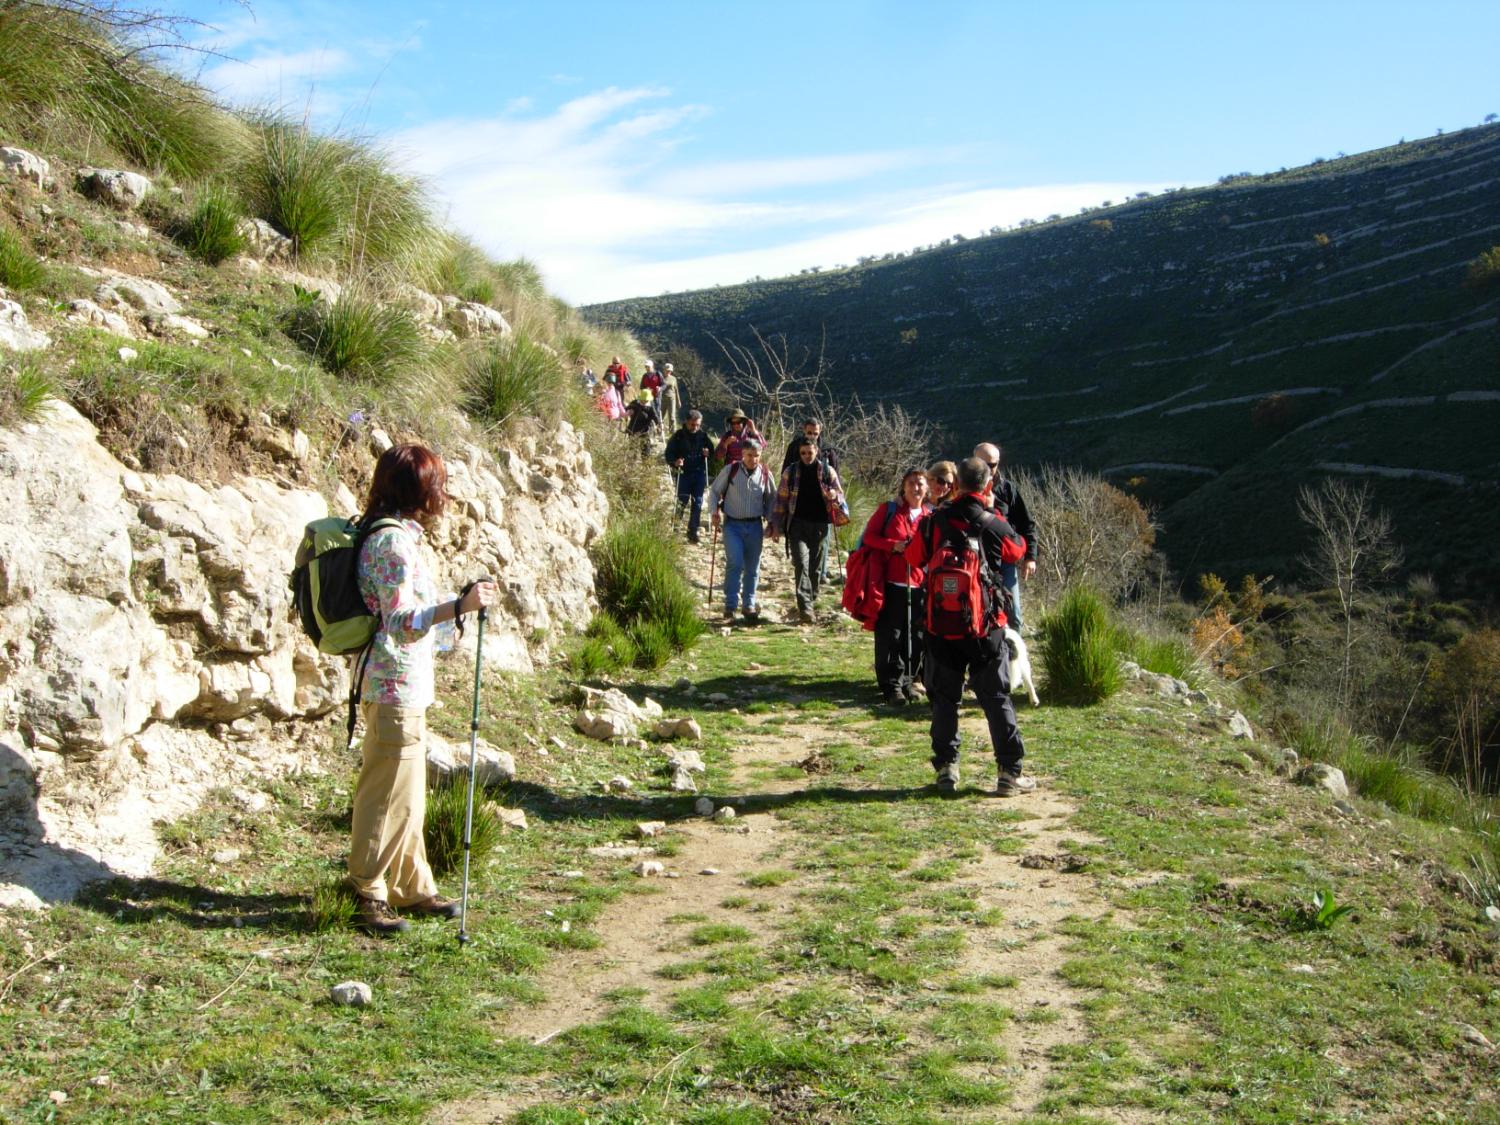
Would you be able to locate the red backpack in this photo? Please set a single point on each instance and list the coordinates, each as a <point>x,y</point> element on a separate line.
<point>960,601</point>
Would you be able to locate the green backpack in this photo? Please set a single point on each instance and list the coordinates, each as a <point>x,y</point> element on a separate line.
<point>325,585</point>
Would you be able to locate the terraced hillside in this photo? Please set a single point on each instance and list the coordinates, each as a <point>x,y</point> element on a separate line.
<point>1209,349</point>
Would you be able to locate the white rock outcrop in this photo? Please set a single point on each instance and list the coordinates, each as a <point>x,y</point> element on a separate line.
<point>16,332</point>
<point>111,185</point>
<point>126,293</point>
<point>470,318</point>
<point>147,653</point>
<point>611,714</point>
<point>263,241</point>
<point>26,166</point>
<point>84,311</point>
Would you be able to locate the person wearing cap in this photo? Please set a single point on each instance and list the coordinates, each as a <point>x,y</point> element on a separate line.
<point>651,381</point>
<point>670,398</point>
<point>1010,506</point>
<point>741,429</point>
<point>688,451</point>
<point>644,419</point>
<point>742,498</point>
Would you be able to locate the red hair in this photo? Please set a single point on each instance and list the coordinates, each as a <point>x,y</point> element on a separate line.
<point>409,480</point>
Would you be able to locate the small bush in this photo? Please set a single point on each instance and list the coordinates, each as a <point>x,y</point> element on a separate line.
<point>609,648</point>
<point>1390,776</point>
<point>359,336</point>
<point>332,906</point>
<point>638,582</point>
<point>1079,648</point>
<point>592,659</point>
<point>211,233</point>
<point>653,644</point>
<point>296,183</point>
<point>20,269</point>
<point>26,392</point>
<point>444,828</point>
<point>512,379</point>
<point>1166,656</point>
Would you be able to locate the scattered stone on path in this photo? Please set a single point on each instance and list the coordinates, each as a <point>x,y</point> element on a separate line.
<point>1306,970</point>
<point>1066,862</point>
<point>674,875</point>
<point>687,728</point>
<point>352,994</point>
<point>651,829</point>
<point>709,871</point>
<point>723,815</point>
<point>1344,807</point>
<point>1492,914</point>
<point>689,760</point>
<point>1326,777</point>
<point>1239,726</point>
<point>100,1081</point>
<point>226,855</point>
<point>573,874</point>
<point>559,743</point>
<point>703,807</point>
<point>682,781</point>
<point>620,851</point>
<point>1289,762</point>
<point>514,819</point>
<point>619,784</point>
<point>649,867</point>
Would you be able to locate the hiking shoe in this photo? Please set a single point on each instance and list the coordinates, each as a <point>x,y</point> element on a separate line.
<point>1012,782</point>
<point>376,917</point>
<point>435,906</point>
<point>752,614</point>
<point>730,613</point>
<point>805,617</point>
<point>693,538</point>
<point>947,778</point>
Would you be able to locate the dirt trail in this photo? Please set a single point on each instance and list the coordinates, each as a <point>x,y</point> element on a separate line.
<point>1036,890</point>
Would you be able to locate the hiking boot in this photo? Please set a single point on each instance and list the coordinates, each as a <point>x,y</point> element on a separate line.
<point>894,697</point>
<point>435,906</point>
<point>752,615</point>
<point>376,917</point>
<point>693,538</point>
<point>1012,782</point>
<point>805,617</point>
<point>947,778</point>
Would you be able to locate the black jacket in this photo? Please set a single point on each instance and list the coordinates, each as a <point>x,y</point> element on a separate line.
<point>644,418</point>
<point>694,448</point>
<point>1009,504</point>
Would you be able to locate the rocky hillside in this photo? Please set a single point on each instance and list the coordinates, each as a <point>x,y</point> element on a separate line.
<point>1209,349</point>
<point>159,475</point>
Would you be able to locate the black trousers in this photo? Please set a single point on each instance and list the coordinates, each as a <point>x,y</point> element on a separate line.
<point>808,540</point>
<point>895,663</point>
<point>986,663</point>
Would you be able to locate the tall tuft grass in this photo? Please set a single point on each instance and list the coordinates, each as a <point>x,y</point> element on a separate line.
<point>444,827</point>
<point>332,906</point>
<point>20,269</point>
<point>1166,656</point>
<point>463,270</point>
<point>1080,646</point>
<point>295,181</point>
<point>1391,775</point>
<point>648,609</point>
<point>359,336</point>
<point>26,391</point>
<point>211,233</point>
<point>514,378</point>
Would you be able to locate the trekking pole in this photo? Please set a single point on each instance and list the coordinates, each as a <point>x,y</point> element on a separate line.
<point>677,498</point>
<point>463,909</point>
<point>908,625</point>
<point>713,557</point>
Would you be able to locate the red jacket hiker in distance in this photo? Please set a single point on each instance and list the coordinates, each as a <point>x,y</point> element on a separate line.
<point>968,506</point>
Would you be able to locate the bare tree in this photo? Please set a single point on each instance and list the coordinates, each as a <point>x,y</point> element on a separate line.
<point>1352,549</point>
<point>775,381</point>
<point>1089,532</point>
<point>130,31</point>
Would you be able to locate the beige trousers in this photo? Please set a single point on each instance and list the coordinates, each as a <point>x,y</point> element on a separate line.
<point>387,855</point>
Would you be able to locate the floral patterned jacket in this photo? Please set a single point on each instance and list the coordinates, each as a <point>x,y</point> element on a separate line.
<point>398,588</point>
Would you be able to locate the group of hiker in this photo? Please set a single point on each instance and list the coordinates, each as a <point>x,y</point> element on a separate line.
<point>936,575</point>
<point>646,412</point>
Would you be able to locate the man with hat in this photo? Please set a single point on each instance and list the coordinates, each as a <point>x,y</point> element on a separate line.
<point>732,444</point>
<point>688,451</point>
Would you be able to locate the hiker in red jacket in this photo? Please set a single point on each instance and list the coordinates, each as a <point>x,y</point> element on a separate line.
<point>898,640</point>
<point>651,381</point>
<point>622,377</point>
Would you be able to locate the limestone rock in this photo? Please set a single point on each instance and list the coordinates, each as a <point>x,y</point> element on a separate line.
<point>174,325</point>
<point>1239,727</point>
<point>470,318</point>
<point>263,241</point>
<point>84,311</point>
<point>449,762</point>
<point>724,814</point>
<point>682,781</point>
<point>688,760</point>
<point>679,728</point>
<point>1492,915</point>
<point>620,851</point>
<point>1324,776</point>
<point>352,994</point>
<point>16,332</point>
<point>26,166</point>
<point>650,829</point>
<point>427,307</point>
<point>513,819</point>
<point>649,867</point>
<point>1288,763</point>
<point>125,292</point>
<point>703,807</point>
<point>110,185</point>
<point>328,290</point>
<point>1473,1035</point>
<point>619,784</point>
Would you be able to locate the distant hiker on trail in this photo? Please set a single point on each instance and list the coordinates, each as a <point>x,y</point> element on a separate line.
<point>651,381</point>
<point>586,377</point>
<point>898,633</point>
<point>608,399</point>
<point>671,398</point>
<point>644,419</point>
<point>968,637</point>
<point>387,854</point>
<point>812,429</point>
<point>621,374</point>
<point>688,451</point>
<point>940,481</point>
<point>808,488</point>
<point>740,430</point>
<point>1008,504</point>
<point>743,496</point>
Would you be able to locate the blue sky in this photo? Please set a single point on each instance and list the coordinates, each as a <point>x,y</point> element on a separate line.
<point>640,146</point>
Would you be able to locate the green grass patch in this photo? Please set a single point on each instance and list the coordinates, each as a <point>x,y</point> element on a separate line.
<point>211,232</point>
<point>20,270</point>
<point>447,807</point>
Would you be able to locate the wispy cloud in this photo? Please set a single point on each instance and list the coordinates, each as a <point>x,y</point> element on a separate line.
<point>603,193</point>
<point>276,76</point>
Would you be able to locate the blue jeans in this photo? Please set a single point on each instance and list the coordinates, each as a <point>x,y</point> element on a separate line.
<point>742,544</point>
<point>1010,579</point>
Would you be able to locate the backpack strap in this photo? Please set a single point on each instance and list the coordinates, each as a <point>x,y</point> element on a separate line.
<point>367,527</point>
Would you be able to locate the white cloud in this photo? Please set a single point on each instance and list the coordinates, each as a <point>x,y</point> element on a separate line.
<point>279,77</point>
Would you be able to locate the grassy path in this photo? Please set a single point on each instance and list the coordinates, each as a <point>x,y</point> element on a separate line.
<point>1129,944</point>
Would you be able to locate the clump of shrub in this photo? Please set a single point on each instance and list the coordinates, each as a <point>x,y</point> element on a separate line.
<point>1166,656</point>
<point>358,335</point>
<point>211,233</point>
<point>1080,644</point>
<point>25,390</point>
<point>514,378</point>
<point>332,906</point>
<point>295,182</point>
<point>444,826</point>
<point>20,269</point>
<point>1484,271</point>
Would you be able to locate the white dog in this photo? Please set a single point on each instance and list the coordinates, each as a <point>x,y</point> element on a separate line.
<point>1020,667</point>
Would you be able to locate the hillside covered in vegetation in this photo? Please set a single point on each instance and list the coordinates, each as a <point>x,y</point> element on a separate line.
<point>1208,349</point>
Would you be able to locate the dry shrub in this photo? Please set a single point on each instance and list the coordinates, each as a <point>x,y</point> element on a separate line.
<point>1089,532</point>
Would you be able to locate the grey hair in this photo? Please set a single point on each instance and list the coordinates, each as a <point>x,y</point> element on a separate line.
<point>696,415</point>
